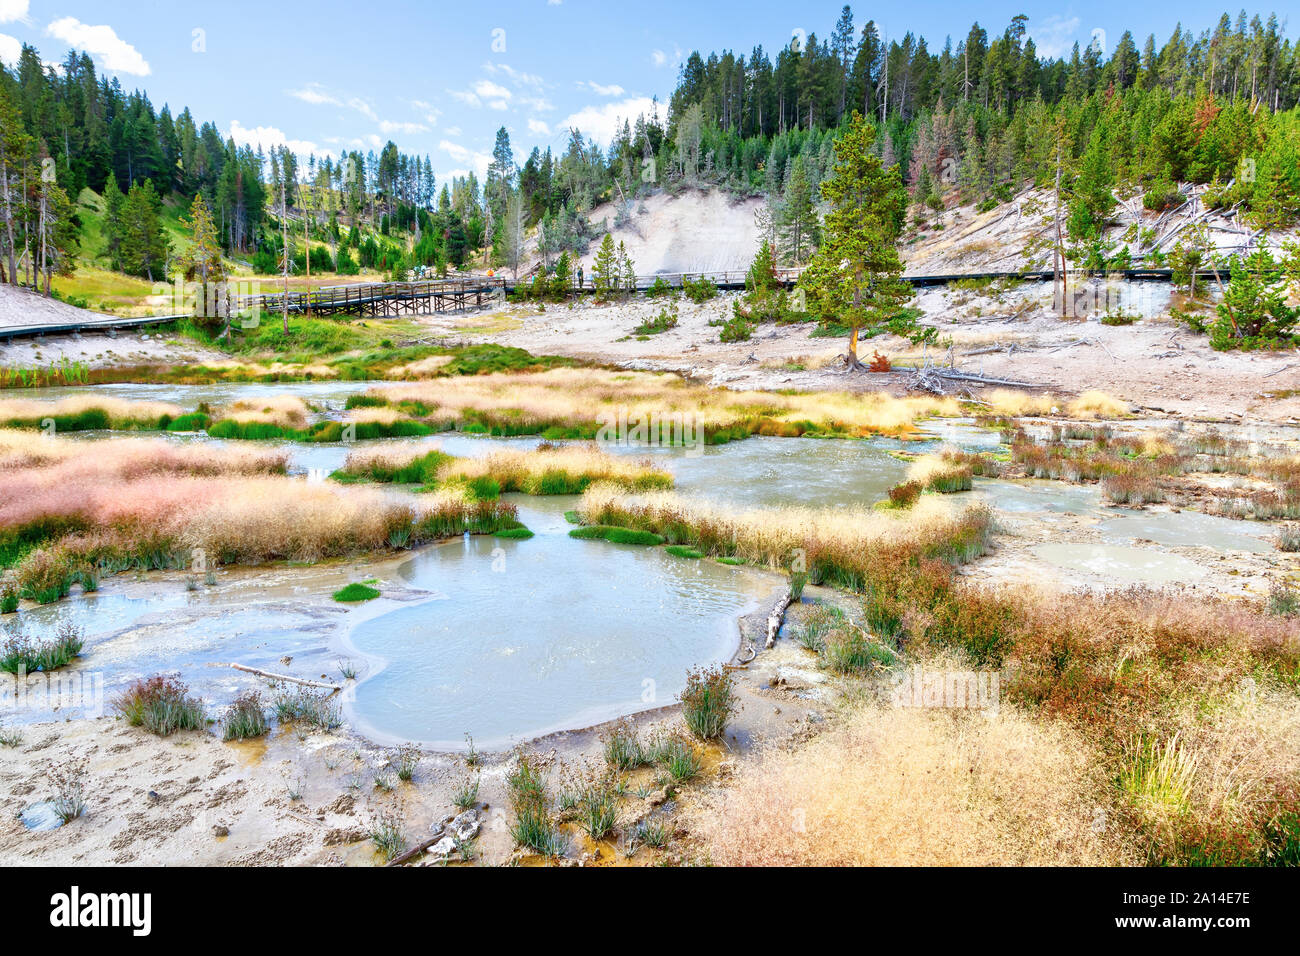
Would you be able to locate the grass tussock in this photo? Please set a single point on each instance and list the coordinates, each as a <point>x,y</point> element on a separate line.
<point>70,511</point>
<point>87,413</point>
<point>535,826</point>
<point>843,547</point>
<point>355,593</point>
<point>308,707</point>
<point>19,654</point>
<point>571,403</point>
<point>245,718</point>
<point>161,705</point>
<point>549,469</point>
<point>893,786</point>
<point>709,701</point>
<point>284,411</point>
<point>1089,405</point>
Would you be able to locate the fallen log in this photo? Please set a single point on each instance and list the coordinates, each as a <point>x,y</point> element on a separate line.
<point>416,850</point>
<point>980,379</point>
<point>775,619</point>
<point>284,677</point>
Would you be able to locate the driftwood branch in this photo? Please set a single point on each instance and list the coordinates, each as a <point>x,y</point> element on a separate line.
<point>284,677</point>
<point>777,615</point>
<point>415,850</point>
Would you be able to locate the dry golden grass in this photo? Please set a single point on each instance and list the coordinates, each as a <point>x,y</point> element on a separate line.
<point>1219,776</point>
<point>1096,404</point>
<point>262,519</point>
<point>585,396</point>
<point>117,409</point>
<point>262,369</point>
<point>888,786</point>
<point>770,536</point>
<point>126,457</point>
<point>547,469</point>
<point>1090,405</point>
<point>927,467</point>
<point>286,411</point>
<point>381,414</point>
<point>524,469</point>
<point>421,368</point>
<point>93,500</point>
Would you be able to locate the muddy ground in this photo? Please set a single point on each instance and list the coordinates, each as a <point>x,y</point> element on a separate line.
<point>306,797</point>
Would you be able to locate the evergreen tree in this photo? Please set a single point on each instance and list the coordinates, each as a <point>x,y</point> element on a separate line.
<point>854,279</point>
<point>798,216</point>
<point>143,242</point>
<point>606,268</point>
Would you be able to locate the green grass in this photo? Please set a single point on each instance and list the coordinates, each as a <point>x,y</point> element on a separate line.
<point>682,551</point>
<point>161,705</point>
<point>245,718</point>
<point>519,533</point>
<point>616,535</point>
<point>20,654</point>
<point>708,702</point>
<point>316,710</point>
<point>356,592</point>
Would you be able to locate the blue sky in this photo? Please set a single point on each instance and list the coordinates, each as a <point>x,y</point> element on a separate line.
<point>440,78</point>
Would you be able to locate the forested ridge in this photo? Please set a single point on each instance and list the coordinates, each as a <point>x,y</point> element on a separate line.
<point>976,121</point>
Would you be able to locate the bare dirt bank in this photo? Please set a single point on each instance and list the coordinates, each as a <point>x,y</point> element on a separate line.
<point>1154,364</point>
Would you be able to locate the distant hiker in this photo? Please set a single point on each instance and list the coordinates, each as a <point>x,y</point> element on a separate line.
<point>579,278</point>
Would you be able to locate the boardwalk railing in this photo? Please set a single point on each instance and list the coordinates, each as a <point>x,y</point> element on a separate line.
<point>463,292</point>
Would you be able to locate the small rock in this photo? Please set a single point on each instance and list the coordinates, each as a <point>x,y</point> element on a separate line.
<point>221,830</point>
<point>443,848</point>
<point>465,826</point>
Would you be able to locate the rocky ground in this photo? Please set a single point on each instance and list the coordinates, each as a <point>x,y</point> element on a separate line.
<point>1011,335</point>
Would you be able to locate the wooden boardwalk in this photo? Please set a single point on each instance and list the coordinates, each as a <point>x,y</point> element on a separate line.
<point>384,298</point>
<point>463,292</point>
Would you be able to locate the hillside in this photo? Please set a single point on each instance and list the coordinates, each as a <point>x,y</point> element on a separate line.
<point>961,240</point>
<point>695,231</point>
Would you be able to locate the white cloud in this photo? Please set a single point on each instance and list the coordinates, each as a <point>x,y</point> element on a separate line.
<point>12,11</point>
<point>317,95</point>
<point>267,137</point>
<point>538,104</point>
<point>314,94</point>
<point>453,131</point>
<point>602,122</point>
<point>479,161</point>
<point>114,53</point>
<point>1055,36</point>
<point>431,112</point>
<point>599,90</point>
<point>518,77</point>
<point>491,91</point>
<point>389,127</point>
<point>538,128</point>
<point>660,58</point>
<point>10,49</point>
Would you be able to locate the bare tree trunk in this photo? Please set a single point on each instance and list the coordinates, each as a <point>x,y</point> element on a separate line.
<point>284,235</point>
<point>9,216</point>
